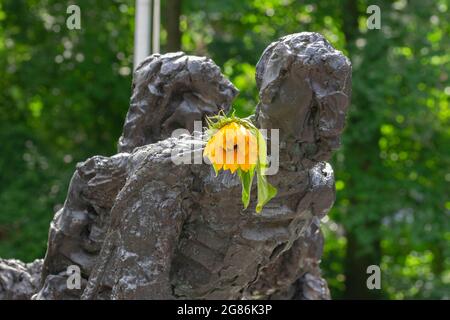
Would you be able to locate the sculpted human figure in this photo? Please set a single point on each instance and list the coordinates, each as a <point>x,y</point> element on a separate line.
<point>143,227</point>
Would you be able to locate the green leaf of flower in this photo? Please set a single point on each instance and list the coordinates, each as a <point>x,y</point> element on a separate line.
<point>246,181</point>
<point>265,190</point>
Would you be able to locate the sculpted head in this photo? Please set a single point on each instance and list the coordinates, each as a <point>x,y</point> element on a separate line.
<point>170,92</point>
<point>304,89</point>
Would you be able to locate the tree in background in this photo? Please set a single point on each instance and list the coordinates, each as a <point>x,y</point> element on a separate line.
<point>65,93</point>
<point>172,16</point>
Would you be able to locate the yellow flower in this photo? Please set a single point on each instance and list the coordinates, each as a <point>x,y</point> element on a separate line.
<point>232,147</point>
<point>235,144</point>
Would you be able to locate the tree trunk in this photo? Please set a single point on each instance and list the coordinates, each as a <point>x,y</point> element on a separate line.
<point>359,255</point>
<point>350,20</point>
<point>173,12</point>
<point>357,259</point>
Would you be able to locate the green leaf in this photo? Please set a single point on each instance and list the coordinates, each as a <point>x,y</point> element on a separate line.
<point>246,181</point>
<point>265,190</point>
<point>215,170</point>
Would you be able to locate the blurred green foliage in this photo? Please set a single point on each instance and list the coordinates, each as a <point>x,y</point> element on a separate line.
<point>64,94</point>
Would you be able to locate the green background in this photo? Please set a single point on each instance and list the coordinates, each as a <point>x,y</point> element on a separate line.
<point>64,95</point>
